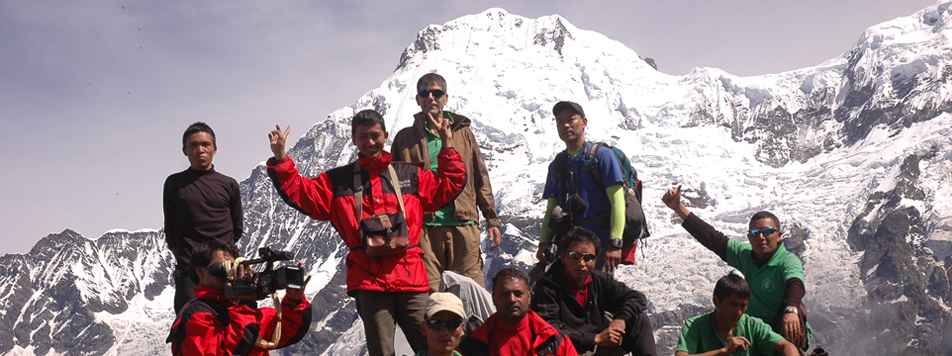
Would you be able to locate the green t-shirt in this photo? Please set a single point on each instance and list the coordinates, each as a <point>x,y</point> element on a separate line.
<point>767,284</point>
<point>444,216</point>
<point>698,335</point>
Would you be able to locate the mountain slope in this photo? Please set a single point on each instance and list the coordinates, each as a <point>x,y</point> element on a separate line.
<point>853,155</point>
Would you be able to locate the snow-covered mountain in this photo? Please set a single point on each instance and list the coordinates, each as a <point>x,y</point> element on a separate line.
<point>854,155</point>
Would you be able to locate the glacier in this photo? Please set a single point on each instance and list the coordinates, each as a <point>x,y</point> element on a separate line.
<point>854,155</point>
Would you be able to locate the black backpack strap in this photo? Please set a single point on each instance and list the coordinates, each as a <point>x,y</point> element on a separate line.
<point>559,173</point>
<point>594,169</point>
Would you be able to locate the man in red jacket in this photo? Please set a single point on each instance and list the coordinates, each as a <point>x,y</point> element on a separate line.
<point>213,325</point>
<point>392,288</point>
<point>514,329</point>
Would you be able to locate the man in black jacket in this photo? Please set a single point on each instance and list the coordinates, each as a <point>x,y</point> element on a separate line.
<point>601,316</point>
<point>200,205</point>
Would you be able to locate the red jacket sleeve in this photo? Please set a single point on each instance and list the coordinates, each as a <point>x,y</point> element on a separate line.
<point>309,196</point>
<point>437,190</point>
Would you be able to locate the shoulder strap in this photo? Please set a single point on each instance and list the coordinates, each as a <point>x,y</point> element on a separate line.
<point>395,181</point>
<point>359,189</point>
<point>590,155</point>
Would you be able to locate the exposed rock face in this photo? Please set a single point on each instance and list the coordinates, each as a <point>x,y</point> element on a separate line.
<point>853,155</point>
<point>908,290</point>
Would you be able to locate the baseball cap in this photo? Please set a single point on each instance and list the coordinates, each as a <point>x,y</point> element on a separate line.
<point>438,302</point>
<point>567,105</point>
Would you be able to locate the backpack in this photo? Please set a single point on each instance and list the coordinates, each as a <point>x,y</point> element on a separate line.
<point>636,227</point>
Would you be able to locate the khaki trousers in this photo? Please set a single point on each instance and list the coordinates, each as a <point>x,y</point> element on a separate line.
<point>454,248</point>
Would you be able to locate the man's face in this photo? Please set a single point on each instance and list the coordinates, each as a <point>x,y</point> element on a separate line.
<point>730,309</point>
<point>370,140</point>
<point>578,269</point>
<point>571,126</point>
<point>442,340</point>
<point>208,280</point>
<point>200,148</point>
<point>511,298</point>
<point>761,244</point>
<point>430,104</point>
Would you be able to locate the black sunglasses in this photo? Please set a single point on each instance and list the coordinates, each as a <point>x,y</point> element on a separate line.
<point>436,93</point>
<point>767,231</point>
<point>575,255</point>
<point>450,325</point>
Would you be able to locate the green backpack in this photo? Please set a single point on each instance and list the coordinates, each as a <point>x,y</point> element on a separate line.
<point>636,227</point>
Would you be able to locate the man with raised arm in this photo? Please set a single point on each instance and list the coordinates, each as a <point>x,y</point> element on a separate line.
<point>450,236</point>
<point>390,284</point>
<point>728,330</point>
<point>199,204</point>
<point>774,274</point>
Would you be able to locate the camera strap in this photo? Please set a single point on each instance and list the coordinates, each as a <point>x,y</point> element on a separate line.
<point>359,192</point>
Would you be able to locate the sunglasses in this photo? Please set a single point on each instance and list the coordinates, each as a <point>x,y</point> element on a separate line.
<point>436,93</point>
<point>575,255</point>
<point>449,325</point>
<point>767,231</point>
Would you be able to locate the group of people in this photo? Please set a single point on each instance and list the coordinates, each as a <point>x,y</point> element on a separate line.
<point>411,217</point>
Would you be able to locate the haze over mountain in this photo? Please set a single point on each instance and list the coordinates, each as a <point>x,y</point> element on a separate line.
<point>853,155</point>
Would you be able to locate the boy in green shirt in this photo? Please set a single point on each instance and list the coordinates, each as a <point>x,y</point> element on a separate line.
<point>728,330</point>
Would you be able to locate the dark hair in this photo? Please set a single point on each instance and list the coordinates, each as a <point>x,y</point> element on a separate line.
<point>510,273</point>
<point>731,284</point>
<point>366,118</point>
<point>199,126</point>
<point>579,234</point>
<point>431,78</point>
<point>765,215</point>
<point>202,255</point>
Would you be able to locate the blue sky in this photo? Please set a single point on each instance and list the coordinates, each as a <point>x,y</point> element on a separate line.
<point>94,95</point>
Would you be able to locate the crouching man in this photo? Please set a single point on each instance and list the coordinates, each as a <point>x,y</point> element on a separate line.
<point>574,297</point>
<point>212,324</point>
<point>728,330</point>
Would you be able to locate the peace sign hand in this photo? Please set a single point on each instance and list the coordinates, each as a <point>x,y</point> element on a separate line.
<point>277,142</point>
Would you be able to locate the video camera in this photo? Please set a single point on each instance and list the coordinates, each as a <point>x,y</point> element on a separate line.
<point>267,281</point>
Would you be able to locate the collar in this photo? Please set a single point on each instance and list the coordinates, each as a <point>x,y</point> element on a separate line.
<point>772,259</point>
<point>198,172</point>
<point>375,164</point>
<point>570,284</point>
<point>209,293</point>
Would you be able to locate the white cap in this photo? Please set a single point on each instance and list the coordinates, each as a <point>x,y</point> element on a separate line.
<point>438,302</point>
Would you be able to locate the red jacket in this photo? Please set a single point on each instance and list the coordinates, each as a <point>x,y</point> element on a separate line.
<point>214,325</point>
<point>330,196</point>
<point>544,338</point>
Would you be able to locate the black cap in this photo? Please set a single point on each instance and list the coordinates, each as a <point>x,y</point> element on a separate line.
<point>567,105</point>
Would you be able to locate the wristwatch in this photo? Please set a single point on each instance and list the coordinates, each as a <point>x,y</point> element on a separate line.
<point>617,243</point>
<point>790,309</point>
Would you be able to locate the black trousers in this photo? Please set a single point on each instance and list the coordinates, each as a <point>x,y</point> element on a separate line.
<point>638,339</point>
<point>184,291</point>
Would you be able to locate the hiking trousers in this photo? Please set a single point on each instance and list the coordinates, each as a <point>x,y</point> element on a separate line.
<point>451,248</point>
<point>381,311</point>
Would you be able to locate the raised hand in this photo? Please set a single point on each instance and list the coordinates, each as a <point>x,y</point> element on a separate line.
<point>277,142</point>
<point>443,127</point>
<point>672,198</point>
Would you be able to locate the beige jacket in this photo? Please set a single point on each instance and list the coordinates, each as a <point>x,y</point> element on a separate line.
<point>410,145</point>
